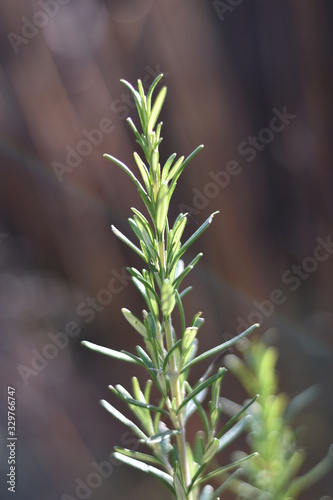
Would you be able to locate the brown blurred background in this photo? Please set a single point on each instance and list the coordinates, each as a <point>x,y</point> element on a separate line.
<point>229,71</point>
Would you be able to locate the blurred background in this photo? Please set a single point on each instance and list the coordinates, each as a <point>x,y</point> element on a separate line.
<point>252,81</point>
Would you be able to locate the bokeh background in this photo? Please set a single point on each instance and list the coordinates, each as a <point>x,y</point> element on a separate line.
<point>228,66</point>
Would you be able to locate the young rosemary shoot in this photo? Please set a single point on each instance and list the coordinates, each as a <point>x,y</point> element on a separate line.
<point>275,472</point>
<point>164,354</point>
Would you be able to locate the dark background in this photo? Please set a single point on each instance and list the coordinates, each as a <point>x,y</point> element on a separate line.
<point>226,70</point>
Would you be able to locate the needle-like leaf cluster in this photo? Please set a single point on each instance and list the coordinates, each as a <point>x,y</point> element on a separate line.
<point>165,355</point>
<point>274,472</point>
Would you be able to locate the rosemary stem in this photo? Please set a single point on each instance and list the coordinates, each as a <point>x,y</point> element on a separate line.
<point>177,394</point>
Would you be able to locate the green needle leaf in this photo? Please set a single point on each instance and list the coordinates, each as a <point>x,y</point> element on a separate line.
<point>179,483</point>
<point>130,401</point>
<point>143,171</point>
<point>178,228</point>
<point>184,164</point>
<point>234,432</point>
<point>135,94</point>
<point>175,169</point>
<point>234,419</point>
<point>194,236</point>
<point>181,312</point>
<point>144,196</point>
<point>136,274</point>
<point>162,207</point>
<point>138,102</point>
<point>211,450</point>
<point>157,438</point>
<point>194,404</point>
<point>127,170</point>
<point>134,129</point>
<point>150,92</point>
<point>221,470</point>
<point>111,409</point>
<point>189,336</point>
<point>138,464</point>
<point>155,112</point>
<point>135,322</point>
<point>207,492</point>
<point>168,299</point>
<point>128,242</point>
<point>168,356</point>
<point>201,387</point>
<point>143,457</point>
<point>109,352</point>
<point>167,166</point>
<point>222,347</point>
<point>185,292</point>
<point>187,269</point>
<point>225,485</point>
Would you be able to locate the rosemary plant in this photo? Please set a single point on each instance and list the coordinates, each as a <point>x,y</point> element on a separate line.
<point>274,472</point>
<point>166,355</point>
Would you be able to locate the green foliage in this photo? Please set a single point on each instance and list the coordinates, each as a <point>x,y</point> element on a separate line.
<point>166,356</point>
<point>272,474</point>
